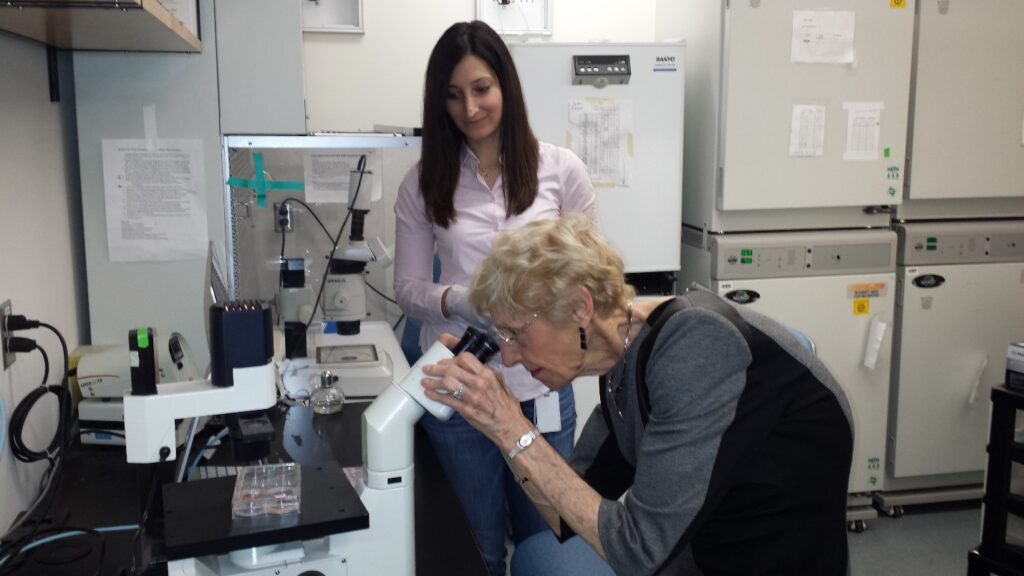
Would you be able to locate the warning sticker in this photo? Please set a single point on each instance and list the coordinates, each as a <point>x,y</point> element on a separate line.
<point>861,307</point>
<point>897,4</point>
<point>867,290</point>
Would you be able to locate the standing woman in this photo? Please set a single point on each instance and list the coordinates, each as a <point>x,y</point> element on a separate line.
<point>482,171</point>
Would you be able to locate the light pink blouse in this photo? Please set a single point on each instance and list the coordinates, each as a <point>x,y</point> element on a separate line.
<point>564,186</point>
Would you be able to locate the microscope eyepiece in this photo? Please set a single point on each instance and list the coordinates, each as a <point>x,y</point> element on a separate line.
<point>476,343</point>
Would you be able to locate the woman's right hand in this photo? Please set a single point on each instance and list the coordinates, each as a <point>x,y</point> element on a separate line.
<point>483,400</point>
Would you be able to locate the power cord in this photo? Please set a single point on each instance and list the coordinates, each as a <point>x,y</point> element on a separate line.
<point>165,453</point>
<point>57,534</point>
<point>55,451</point>
<point>361,166</point>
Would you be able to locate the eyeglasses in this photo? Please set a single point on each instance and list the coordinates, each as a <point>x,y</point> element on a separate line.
<point>510,335</point>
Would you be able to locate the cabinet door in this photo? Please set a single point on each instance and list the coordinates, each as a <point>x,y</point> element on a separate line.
<point>259,67</point>
<point>968,109</point>
<point>953,336</point>
<point>822,309</point>
<point>844,68</point>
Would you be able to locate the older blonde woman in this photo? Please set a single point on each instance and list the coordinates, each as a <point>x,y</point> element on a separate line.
<point>731,444</point>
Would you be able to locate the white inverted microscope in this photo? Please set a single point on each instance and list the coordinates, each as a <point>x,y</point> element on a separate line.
<point>385,485</point>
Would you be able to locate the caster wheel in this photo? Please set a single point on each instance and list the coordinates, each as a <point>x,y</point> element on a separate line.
<point>893,511</point>
<point>856,526</point>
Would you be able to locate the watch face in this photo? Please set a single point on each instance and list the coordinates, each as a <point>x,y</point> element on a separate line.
<point>526,439</point>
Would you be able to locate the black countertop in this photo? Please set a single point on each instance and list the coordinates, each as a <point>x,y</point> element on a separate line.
<point>99,489</point>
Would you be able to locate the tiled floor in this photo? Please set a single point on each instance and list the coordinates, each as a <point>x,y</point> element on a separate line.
<point>930,540</point>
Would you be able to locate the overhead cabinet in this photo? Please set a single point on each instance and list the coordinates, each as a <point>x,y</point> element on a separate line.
<point>122,25</point>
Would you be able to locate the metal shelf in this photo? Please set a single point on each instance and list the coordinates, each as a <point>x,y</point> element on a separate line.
<point>118,25</point>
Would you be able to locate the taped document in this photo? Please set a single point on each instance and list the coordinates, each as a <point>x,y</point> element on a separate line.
<point>863,130</point>
<point>155,200</point>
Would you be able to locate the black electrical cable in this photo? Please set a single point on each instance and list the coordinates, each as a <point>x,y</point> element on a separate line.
<point>361,166</point>
<point>165,453</point>
<point>381,294</point>
<point>46,365</point>
<point>398,322</point>
<point>20,416</point>
<point>64,348</point>
<point>312,212</point>
<point>22,553</point>
<point>55,452</point>
<point>282,211</point>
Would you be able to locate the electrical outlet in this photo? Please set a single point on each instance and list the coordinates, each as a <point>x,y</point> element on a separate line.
<point>283,220</point>
<point>5,311</point>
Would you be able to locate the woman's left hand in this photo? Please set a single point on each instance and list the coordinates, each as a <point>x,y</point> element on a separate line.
<point>477,393</point>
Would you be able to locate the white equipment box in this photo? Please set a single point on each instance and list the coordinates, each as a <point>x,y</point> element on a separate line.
<point>960,305</point>
<point>620,108</point>
<point>967,135</point>
<point>838,289</point>
<point>796,106</point>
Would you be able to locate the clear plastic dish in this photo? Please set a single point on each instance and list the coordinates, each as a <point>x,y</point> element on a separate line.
<point>268,489</point>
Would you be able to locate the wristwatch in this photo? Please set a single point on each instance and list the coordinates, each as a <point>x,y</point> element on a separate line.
<point>524,442</point>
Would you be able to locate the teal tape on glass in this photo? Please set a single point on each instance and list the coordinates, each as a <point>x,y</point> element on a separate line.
<point>260,183</point>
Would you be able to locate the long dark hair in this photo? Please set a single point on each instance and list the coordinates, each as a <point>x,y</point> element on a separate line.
<point>442,139</point>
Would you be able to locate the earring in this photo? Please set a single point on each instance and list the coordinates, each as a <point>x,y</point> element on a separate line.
<point>583,338</point>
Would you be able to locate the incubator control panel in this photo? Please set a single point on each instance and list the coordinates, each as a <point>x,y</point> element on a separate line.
<point>600,70</point>
<point>960,242</point>
<point>745,256</point>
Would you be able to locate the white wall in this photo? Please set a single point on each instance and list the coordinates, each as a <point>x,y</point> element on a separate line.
<point>356,81</point>
<point>41,257</point>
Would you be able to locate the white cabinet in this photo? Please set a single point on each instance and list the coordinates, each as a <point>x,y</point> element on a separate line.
<point>795,107</point>
<point>967,135</point>
<point>259,67</point>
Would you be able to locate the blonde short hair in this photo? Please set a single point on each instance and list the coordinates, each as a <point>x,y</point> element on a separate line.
<point>536,269</point>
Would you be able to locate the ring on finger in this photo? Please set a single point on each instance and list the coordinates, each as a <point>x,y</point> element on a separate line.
<point>457,394</point>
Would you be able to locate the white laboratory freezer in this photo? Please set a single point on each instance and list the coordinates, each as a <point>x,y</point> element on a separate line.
<point>835,287</point>
<point>960,303</point>
<point>620,108</point>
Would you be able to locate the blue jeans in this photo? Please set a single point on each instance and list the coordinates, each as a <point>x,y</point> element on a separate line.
<point>542,555</point>
<point>484,485</point>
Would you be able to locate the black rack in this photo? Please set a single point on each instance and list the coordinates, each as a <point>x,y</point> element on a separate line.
<point>995,555</point>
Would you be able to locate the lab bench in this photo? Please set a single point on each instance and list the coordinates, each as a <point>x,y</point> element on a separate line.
<point>99,489</point>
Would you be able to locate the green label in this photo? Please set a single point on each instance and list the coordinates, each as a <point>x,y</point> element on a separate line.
<point>747,260</point>
<point>746,252</point>
<point>142,337</point>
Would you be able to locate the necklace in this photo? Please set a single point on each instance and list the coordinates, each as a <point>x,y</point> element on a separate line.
<point>616,378</point>
<point>629,326</point>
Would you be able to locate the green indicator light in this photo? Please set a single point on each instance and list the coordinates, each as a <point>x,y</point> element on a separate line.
<point>142,338</point>
<point>746,260</point>
<point>932,248</point>
<point>932,239</point>
<point>746,252</point>
<point>886,152</point>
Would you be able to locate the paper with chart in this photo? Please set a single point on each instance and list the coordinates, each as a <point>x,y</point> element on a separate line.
<point>863,129</point>
<point>807,130</point>
<point>601,134</point>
